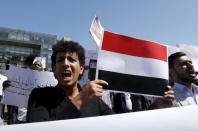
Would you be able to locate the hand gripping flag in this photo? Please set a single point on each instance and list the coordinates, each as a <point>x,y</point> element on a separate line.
<point>133,65</point>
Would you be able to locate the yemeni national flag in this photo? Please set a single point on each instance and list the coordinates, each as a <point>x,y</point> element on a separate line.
<point>133,65</point>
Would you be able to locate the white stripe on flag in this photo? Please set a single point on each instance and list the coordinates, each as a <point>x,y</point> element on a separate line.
<point>126,64</point>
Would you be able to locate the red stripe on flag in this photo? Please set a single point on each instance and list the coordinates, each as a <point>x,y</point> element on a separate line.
<point>132,46</point>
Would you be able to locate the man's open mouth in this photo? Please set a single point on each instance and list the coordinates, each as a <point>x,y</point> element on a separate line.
<point>66,73</point>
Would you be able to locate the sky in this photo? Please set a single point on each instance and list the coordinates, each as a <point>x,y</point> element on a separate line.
<point>168,22</point>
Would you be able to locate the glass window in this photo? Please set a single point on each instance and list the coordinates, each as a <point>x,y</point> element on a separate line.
<point>36,38</point>
<point>12,35</point>
<point>19,36</point>
<point>45,46</point>
<point>3,34</point>
<point>26,37</point>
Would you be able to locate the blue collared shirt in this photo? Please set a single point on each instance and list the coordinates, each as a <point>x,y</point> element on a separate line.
<point>184,96</point>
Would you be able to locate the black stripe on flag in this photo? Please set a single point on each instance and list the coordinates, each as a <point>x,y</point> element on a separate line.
<point>133,83</point>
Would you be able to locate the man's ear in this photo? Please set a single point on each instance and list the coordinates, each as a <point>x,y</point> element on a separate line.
<point>81,69</point>
<point>171,72</point>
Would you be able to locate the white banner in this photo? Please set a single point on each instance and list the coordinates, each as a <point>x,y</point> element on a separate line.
<point>2,79</point>
<point>172,119</point>
<point>22,83</point>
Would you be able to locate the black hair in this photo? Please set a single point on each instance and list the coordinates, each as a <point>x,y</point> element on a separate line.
<point>173,57</point>
<point>68,46</point>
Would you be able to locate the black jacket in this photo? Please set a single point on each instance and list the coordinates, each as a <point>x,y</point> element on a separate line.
<point>49,103</point>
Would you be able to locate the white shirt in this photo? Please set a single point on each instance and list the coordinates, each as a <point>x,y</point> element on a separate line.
<point>22,112</point>
<point>1,121</point>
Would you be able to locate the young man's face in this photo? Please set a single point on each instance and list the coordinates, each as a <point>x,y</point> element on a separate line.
<point>184,69</point>
<point>67,69</point>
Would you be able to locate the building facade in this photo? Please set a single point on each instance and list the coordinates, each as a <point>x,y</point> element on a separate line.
<point>17,45</point>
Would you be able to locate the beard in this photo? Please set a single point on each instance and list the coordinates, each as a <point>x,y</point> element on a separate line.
<point>186,78</point>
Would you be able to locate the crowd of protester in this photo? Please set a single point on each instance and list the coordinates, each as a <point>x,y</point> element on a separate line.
<point>68,100</point>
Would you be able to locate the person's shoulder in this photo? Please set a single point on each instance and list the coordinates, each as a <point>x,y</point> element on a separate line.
<point>44,88</point>
<point>195,88</point>
<point>43,95</point>
<point>43,91</point>
<point>195,85</point>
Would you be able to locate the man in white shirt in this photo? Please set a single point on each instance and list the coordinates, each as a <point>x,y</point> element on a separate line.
<point>38,64</point>
<point>1,106</point>
<point>183,75</point>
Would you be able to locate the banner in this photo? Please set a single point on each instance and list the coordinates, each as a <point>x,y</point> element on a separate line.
<point>133,65</point>
<point>23,81</point>
<point>170,119</point>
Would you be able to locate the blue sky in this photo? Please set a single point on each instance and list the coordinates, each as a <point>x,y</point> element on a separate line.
<point>168,22</point>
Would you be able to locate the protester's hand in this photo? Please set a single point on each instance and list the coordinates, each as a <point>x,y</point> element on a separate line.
<point>90,91</point>
<point>167,99</point>
<point>94,89</point>
<point>169,95</point>
<point>6,84</point>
